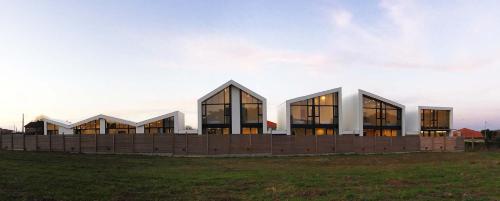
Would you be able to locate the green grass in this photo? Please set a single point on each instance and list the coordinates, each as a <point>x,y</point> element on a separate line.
<point>416,176</point>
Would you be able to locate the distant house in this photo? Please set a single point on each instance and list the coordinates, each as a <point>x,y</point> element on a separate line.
<point>5,131</point>
<point>34,128</point>
<point>271,126</point>
<point>468,134</point>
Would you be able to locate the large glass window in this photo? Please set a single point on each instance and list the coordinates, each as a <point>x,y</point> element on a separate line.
<point>161,126</point>
<point>216,113</point>
<point>91,127</point>
<point>119,128</point>
<point>434,122</point>
<point>251,114</point>
<point>52,129</point>
<point>315,116</point>
<point>381,118</point>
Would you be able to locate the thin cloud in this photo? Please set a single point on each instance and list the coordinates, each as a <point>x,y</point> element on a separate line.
<point>408,35</point>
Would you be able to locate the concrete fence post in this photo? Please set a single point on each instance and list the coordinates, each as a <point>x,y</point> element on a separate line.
<point>36,142</point>
<point>12,141</point>
<point>230,141</point>
<point>187,144</point>
<point>80,143</point>
<point>64,142</point>
<point>335,144</point>
<point>114,143</point>
<point>445,142</point>
<point>133,143</point>
<point>271,144</point>
<point>173,144</point>
<point>24,142</point>
<point>50,142</point>
<point>95,142</point>
<point>152,143</point>
<point>1,141</point>
<point>316,143</point>
<point>208,144</point>
<point>250,143</point>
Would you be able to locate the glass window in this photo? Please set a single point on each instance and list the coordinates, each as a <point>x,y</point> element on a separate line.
<point>161,126</point>
<point>317,114</point>
<point>251,113</point>
<point>119,128</point>
<point>91,127</point>
<point>52,129</point>
<point>299,114</point>
<point>216,113</point>
<point>380,118</point>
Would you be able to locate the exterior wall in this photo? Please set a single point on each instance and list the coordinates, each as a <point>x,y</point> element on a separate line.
<point>102,127</point>
<point>350,107</point>
<point>282,123</point>
<point>139,129</point>
<point>65,131</point>
<point>235,110</point>
<point>413,121</point>
<point>179,122</point>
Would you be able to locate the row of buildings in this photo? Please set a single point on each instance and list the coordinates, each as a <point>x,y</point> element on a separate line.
<point>234,109</point>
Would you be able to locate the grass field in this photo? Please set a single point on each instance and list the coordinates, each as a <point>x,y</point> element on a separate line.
<point>416,176</point>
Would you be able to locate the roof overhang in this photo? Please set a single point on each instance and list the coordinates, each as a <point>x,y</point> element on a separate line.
<point>362,92</point>
<point>172,114</point>
<point>434,108</point>
<point>227,84</point>
<point>107,118</point>
<point>56,122</point>
<point>336,90</point>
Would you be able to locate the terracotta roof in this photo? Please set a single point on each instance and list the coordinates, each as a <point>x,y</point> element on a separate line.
<point>469,133</point>
<point>271,124</point>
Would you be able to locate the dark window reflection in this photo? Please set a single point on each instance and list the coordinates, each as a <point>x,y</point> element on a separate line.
<point>315,116</point>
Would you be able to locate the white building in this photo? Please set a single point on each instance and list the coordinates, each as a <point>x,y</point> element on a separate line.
<point>168,123</point>
<point>430,121</point>
<point>54,127</point>
<point>232,109</point>
<point>103,124</point>
<point>315,114</point>
<point>367,114</point>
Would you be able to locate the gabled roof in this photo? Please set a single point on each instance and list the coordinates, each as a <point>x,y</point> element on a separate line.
<point>109,118</point>
<point>157,118</point>
<point>57,122</point>
<point>315,95</point>
<point>227,84</point>
<point>362,92</point>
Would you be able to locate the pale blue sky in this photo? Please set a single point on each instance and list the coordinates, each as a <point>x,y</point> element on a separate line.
<point>137,59</point>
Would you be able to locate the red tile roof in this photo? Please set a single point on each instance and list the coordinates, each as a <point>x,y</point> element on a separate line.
<point>271,124</point>
<point>469,133</point>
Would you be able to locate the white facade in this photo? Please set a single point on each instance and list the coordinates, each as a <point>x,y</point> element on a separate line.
<point>64,127</point>
<point>413,118</point>
<point>353,112</point>
<point>236,89</point>
<point>178,122</point>
<point>284,113</point>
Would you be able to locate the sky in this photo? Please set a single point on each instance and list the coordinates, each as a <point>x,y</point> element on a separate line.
<point>70,60</point>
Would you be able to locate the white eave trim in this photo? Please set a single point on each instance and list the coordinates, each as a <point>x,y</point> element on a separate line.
<point>235,84</point>
<point>106,117</point>
<point>172,114</point>
<point>55,122</point>
<point>362,92</point>
<point>336,90</point>
<point>434,108</point>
